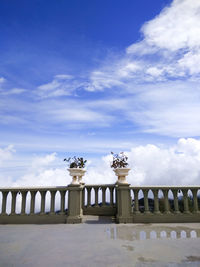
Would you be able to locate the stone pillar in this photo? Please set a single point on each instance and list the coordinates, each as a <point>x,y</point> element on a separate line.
<point>166,201</point>
<point>89,197</point>
<point>156,202</point>
<point>42,207</point>
<point>176,205</point>
<point>5,194</point>
<point>123,204</point>
<point>52,209</point>
<point>96,196</point>
<point>146,201</point>
<point>32,205</point>
<point>111,196</point>
<point>13,203</point>
<point>23,207</point>
<point>103,196</point>
<point>136,201</point>
<point>195,208</point>
<point>185,201</point>
<point>75,212</point>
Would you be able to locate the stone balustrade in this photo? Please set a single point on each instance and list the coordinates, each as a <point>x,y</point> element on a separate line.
<point>165,203</point>
<point>26,204</point>
<point>99,199</point>
<point>129,204</point>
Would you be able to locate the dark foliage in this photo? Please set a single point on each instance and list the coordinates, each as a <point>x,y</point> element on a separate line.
<point>119,160</point>
<point>76,162</point>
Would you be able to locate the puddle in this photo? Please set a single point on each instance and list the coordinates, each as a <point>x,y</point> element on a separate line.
<point>151,232</point>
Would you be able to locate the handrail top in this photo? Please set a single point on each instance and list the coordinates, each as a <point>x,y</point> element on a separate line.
<point>99,185</point>
<point>56,188</point>
<point>39,188</point>
<point>166,187</point>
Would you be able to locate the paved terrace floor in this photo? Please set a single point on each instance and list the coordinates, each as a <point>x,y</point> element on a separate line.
<point>99,242</point>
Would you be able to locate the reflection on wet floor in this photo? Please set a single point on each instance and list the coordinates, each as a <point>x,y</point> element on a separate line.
<point>141,233</point>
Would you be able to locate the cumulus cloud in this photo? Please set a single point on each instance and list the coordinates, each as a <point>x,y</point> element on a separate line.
<point>176,27</point>
<point>175,35</point>
<point>169,49</point>
<point>150,165</point>
<point>175,165</point>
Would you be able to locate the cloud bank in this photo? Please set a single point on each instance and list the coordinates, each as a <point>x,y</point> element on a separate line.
<point>150,165</point>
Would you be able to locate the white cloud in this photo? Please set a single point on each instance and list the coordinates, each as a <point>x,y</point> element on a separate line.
<point>13,91</point>
<point>176,27</point>
<point>190,62</point>
<point>150,165</point>
<point>43,161</point>
<point>170,48</point>
<point>2,80</point>
<point>6,154</point>
<point>61,85</point>
<point>175,34</point>
<point>64,77</point>
<point>80,114</point>
<point>176,165</point>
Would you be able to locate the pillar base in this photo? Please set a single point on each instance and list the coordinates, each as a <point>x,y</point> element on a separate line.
<point>74,219</point>
<point>120,219</point>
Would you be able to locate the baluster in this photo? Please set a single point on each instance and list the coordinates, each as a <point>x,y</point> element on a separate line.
<point>136,202</point>
<point>116,197</point>
<point>4,195</point>
<point>96,196</point>
<point>89,197</point>
<point>4,200</point>
<point>195,201</point>
<point>33,193</point>
<point>43,194</point>
<point>23,208</point>
<point>83,198</point>
<point>156,203</point>
<point>52,209</point>
<point>146,202</point>
<point>176,206</point>
<point>62,202</point>
<point>13,204</point>
<point>166,201</point>
<point>185,201</point>
<point>103,196</point>
<point>111,196</point>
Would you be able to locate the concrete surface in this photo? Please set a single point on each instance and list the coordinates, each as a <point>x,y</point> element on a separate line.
<point>99,242</point>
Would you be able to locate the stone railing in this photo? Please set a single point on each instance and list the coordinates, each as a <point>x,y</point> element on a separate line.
<point>99,199</point>
<point>129,204</point>
<point>165,203</point>
<point>29,205</point>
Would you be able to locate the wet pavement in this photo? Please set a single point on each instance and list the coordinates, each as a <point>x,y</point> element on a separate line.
<point>100,242</point>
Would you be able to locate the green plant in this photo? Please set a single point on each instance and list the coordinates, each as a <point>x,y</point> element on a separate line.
<point>119,160</point>
<point>76,162</point>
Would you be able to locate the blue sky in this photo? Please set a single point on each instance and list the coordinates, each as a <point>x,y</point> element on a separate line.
<point>88,77</point>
